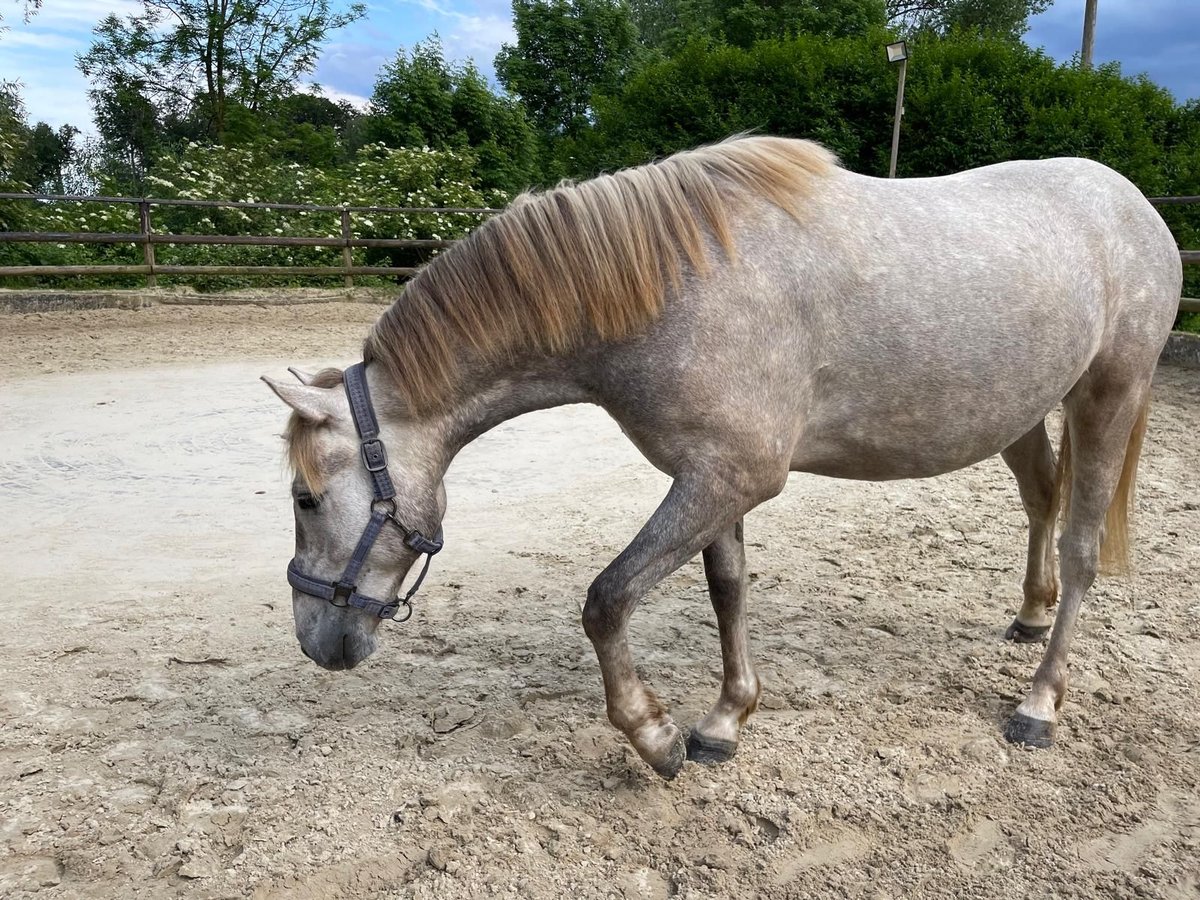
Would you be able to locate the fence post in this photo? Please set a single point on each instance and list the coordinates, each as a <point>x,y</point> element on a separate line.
<point>147,247</point>
<point>347,253</point>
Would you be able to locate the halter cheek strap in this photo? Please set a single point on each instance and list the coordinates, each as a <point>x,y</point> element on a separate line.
<point>344,591</point>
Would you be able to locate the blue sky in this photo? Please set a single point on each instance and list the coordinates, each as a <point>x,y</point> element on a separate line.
<point>1158,37</point>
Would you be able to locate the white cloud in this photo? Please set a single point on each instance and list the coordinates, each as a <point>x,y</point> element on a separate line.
<point>80,14</point>
<point>480,36</point>
<point>42,41</point>
<point>61,100</point>
<point>323,90</point>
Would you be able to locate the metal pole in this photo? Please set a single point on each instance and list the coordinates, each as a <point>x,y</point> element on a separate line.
<point>899,115</point>
<point>1089,33</point>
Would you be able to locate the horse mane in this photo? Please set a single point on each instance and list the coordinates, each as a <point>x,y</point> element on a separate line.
<point>579,260</point>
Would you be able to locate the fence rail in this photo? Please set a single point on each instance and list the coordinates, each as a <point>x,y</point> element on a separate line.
<point>148,239</point>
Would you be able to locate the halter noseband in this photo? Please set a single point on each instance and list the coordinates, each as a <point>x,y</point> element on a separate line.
<point>344,591</point>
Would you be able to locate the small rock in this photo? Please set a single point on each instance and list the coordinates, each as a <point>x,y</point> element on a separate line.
<point>644,884</point>
<point>438,858</point>
<point>451,717</point>
<point>199,867</point>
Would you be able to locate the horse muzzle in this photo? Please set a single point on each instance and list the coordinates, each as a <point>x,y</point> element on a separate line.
<point>333,638</point>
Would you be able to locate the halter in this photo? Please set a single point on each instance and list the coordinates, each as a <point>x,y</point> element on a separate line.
<point>344,591</point>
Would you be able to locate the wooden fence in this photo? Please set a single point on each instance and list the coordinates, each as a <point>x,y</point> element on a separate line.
<point>148,239</point>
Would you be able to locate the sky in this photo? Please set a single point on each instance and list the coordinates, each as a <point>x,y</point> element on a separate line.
<point>1158,37</point>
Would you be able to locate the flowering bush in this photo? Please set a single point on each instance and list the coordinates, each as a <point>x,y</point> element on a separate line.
<point>376,176</point>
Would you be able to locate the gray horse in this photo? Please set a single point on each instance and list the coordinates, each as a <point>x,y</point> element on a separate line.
<point>743,311</point>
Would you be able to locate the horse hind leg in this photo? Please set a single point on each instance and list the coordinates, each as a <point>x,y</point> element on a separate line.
<point>1105,422</point>
<point>715,737</point>
<point>1031,460</point>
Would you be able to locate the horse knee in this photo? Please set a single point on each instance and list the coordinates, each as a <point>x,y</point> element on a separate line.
<point>603,612</point>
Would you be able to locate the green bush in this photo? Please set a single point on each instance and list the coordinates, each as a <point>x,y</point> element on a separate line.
<point>376,176</point>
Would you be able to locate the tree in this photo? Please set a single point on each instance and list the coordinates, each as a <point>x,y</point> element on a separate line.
<point>14,133</point>
<point>130,128</point>
<point>211,54</point>
<point>421,100</point>
<point>743,22</point>
<point>566,51</point>
<point>1004,18</point>
<point>669,24</point>
<point>46,157</point>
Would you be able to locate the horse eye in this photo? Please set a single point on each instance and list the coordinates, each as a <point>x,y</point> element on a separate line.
<point>307,501</point>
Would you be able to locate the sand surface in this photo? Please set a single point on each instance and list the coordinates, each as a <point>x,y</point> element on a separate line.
<point>162,736</point>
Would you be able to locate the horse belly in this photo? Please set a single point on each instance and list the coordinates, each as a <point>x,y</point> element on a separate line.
<point>919,415</point>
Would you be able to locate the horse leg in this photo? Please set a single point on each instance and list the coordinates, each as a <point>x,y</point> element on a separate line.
<point>715,738</point>
<point>694,514</point>
<point>1032,462</point>
<point>1105,433</point>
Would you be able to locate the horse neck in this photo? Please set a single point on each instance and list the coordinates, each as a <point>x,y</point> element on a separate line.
<point>493,395</point>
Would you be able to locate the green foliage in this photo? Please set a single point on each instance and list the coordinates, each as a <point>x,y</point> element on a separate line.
<point>838,91</point>
<point>375,176</point>
<point>201,57</point>
<point>667,25</point>
<point>14,136</point>
<point>973,101</point>
<point>421,100</point>
<point>1007,19</point>
<point>744,22</point>
<point>566,52</point>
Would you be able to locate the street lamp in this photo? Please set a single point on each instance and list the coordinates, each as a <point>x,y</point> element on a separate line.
<point>897,53</point>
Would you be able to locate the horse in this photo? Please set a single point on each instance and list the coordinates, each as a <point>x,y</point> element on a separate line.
<point>745,310</point>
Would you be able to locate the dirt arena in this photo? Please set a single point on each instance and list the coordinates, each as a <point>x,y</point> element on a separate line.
<point>162,736</point>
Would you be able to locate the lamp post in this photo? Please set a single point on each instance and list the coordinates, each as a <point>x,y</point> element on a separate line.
<point>897,53</point>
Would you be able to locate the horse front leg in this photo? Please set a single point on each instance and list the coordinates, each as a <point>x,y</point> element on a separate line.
<point>715,738</point>
<point>695,512</point>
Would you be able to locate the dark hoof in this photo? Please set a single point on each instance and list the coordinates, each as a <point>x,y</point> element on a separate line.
<point>670,766</point>
<point>1022,729</point>
<point>709,751</point>
<point>1026,634</point>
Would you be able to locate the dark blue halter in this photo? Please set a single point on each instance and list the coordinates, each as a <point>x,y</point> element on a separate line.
<point>344,591</point>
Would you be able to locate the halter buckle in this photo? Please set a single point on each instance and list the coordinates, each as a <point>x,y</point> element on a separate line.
<point>341,593</point>
<point>374,455</point>
<point>422,544</point>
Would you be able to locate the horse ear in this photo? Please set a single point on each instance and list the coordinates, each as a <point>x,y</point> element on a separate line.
<point>315,404</point>
<point>301,376</point>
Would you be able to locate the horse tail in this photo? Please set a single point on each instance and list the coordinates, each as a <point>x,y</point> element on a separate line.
<point>1114,549</point>
<point>1114,552</point>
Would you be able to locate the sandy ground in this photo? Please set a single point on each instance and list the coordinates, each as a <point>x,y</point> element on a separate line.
<point>161,734</point>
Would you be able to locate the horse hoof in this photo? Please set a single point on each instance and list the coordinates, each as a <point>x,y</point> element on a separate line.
<point>669,767</point>
<point>1026,634</point>
<point>709,751</point>
<point>1022,729</point>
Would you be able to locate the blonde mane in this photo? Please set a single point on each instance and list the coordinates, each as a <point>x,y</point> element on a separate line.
<point>580,260</point>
